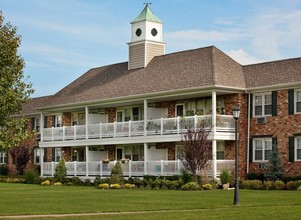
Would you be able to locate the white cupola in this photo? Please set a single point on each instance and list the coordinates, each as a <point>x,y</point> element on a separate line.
<point>146,39</point>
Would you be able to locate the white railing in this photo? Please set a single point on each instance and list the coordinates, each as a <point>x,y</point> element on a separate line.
<point>163,126</point>
<point>130,168</point>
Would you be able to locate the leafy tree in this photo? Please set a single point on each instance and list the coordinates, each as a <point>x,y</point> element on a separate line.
<point>196,149</point>
<point>14,91</point>
<point>60,171</point>
<point>117,173</point>
<point>21,154</point>
<point>274,167</point>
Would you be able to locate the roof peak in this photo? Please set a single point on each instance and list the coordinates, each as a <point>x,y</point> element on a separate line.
<point>146,15</point>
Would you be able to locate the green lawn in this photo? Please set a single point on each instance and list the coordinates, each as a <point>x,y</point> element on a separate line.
<point>22,199</point>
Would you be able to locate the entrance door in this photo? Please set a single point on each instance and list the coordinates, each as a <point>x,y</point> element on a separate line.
<point>119,153</point>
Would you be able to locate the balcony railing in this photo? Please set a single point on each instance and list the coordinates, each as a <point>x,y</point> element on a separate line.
<point>163,126</point>
<point>130,168</point>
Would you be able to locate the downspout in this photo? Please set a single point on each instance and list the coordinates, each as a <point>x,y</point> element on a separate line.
<point>248,135</point>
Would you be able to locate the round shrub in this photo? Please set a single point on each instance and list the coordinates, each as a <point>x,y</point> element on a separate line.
<point>115,186</point>
<point>69,184</point>
<point>207,186</point>
<point>291,185</point>
<point>279,184</point>
<point>104,186</point>
<point>190,186</point>
<point>58,184</point>
<point>268,185</point>
<point>46,183</point>
<point>129,186</point>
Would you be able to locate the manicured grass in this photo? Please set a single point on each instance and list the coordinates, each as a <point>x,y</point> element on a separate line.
<point>22,199</point>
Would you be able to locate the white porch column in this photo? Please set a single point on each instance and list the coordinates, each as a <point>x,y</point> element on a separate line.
<point>41,126</point>
<point>145,116</point>
<point>86,114</point>
<point>214,167</point>
<point>87,160</point>
<point>145,158</point>
<point>42,160</point>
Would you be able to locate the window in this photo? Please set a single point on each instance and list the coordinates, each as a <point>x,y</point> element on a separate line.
<point>58,154</point>
<point>220,151</point>
<point>78,118</point>
<point>3,157</point>
<point>37,154</point>
<point>298,148</point>
<point>262,104</point>
<point>136,114</point>
<point>37,125</point>
<point>262,149</point>
<point>74,155</point>
<point>298,101</point>
<point>180,155</point>
<point>179,110</point>
<point>134,153</point>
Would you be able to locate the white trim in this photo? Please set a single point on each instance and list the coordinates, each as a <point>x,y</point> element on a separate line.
<point>263,148</point>
<point>296,148</point>
<point>295,101</point>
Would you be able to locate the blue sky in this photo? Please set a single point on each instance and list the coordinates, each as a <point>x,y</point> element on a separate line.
<point>62,39</point>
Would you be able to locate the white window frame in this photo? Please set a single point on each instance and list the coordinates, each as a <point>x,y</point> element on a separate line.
<point>58,118</point>
<point>37,153</point>
<point>297,147</point>
<point>37,125</point>
<point>58,154</point>
<point>264,148</point>
<point>263,104</point>
<point>296,101</point>
<point>180,104</point>
<point>3,157</point>
<point>220,147</point>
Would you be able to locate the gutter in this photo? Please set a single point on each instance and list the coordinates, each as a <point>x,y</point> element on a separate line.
<point>248,129</point>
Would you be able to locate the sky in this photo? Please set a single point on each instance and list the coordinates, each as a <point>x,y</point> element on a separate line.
<point>63,39</point>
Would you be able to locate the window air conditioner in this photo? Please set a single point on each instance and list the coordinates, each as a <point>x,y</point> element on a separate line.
<point>261,120</point>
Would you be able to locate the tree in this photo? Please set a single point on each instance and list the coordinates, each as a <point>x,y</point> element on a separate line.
<point>60,171</point>
<point>14,91</point>
<point>196,149</point>
<point>21,154</point>
<point>117,173</point>
<point>274,167</point>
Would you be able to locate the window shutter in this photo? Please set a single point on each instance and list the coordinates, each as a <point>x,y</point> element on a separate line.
<point>45,121</point>
<point>6,158</point>
<point>291,102</point>
<point>33,124</point>
<point>274,103</point>
<point>251,105</point>
<point>291,143</point>
<point>44,150</point>
<point>274,142</point>
<point>53,154</point>
<point>251,150</point>
<point>53,120</point>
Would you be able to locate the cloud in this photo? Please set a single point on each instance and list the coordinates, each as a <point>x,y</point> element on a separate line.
<point>243,57</point>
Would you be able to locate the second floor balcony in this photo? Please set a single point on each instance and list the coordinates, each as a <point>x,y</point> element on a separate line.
<point>153,127</point>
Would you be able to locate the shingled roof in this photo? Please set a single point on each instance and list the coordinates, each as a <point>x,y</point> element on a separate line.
<point>34,104</point>
<point>272,73</point>
<point>183,70</point>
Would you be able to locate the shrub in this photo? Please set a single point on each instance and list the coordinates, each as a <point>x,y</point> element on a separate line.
<point>191,186</point>
<point>58,184</point>
<point>129,186</point>
<point>255,176</point>
<point>279,184</point>
<point>207,186</point>
<point>32,177</point>
<point>115,186</point>
<point>76,181</point>
<point>3,170</point>
<point>226,176</point>
<point>251,184</point>
<point>87,182</point>
<point>46,183</point>
<point>60,171</point>
<point>186,176</point>
<point>116,173</point>
<point>291,185</point>
<point>104,186</point>
<point>69,184</point>
<point>268,185</point>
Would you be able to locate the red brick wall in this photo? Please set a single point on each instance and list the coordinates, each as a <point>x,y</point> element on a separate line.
<point>282,127</point>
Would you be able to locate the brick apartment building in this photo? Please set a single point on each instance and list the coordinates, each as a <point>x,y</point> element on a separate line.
<point>136,111</point>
